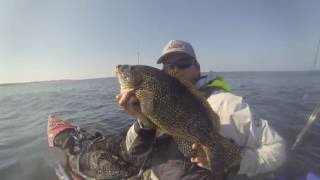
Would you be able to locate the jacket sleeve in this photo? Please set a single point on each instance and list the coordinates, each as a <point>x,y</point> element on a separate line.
<point>263,149</point>
<point>139,140</point>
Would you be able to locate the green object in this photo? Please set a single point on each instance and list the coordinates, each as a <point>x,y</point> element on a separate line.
<point>219,82</point>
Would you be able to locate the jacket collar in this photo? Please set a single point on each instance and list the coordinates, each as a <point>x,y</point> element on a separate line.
<point>205,79</point>
<point>210,83</point>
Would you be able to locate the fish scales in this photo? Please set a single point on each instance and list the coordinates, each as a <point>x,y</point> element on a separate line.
<point>177,108</point>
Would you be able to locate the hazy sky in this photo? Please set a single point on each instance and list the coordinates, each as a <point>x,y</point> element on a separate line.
<point>46,40</point>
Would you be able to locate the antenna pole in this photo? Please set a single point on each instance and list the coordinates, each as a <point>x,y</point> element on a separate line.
<point>315,63</point>
<point>138,53</point>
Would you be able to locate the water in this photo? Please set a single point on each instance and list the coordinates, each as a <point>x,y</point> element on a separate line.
<point>283,98</point>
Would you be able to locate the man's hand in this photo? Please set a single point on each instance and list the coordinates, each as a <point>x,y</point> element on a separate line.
<point>201,159</point>
<point>129,102</point>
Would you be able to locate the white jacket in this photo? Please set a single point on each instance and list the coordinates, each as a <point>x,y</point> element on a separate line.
<point>263,148</point>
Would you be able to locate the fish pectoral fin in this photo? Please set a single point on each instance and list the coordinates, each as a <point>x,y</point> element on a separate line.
<point>146,103</point>
<point>232,153</point>
<point>216,161</point>
<point>185,147</point>
<point>215,153</point>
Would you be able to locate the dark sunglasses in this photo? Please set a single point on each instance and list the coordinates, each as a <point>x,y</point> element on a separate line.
<point>181,64</point>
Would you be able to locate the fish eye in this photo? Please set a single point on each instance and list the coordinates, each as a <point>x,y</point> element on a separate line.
<point>128,78</point>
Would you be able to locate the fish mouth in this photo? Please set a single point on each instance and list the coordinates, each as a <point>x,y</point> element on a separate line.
<point>127,79</point>
<point>116,70</point>
<point>122,68</point>
<point>122,72</point>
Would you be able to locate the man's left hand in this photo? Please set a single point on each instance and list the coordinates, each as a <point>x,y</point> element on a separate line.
<point>201,158</point>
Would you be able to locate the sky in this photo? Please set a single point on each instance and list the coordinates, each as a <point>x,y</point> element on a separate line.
<point>80,39</point>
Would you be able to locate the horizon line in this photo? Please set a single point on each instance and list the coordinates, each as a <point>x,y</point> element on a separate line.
<point>53,80</point>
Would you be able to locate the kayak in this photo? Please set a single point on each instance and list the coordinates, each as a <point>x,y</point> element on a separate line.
<point>89,155</point>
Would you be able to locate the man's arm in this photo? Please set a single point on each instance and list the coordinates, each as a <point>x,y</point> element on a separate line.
<point>141,134</point>
<point>264,150</point>
<point>139,140</point>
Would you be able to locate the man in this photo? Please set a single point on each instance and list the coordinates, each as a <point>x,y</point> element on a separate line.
<point>263,150</point>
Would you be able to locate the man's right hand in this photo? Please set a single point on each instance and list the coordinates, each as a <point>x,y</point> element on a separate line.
<point>129,102</point>
<point>202,156</point>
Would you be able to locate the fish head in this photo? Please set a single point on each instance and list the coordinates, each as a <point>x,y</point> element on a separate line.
<point>130,76</point>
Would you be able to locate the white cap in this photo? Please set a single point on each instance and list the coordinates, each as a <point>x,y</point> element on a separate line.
<point>177,46</point>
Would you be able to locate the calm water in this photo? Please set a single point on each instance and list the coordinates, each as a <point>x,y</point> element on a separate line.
<point>284,98</point>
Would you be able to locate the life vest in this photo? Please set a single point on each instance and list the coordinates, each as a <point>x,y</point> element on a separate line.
<point>215,85</point>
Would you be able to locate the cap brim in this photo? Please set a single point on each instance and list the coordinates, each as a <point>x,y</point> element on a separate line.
<point>164,56</point>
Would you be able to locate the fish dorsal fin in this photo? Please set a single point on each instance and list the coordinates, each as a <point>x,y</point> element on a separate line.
<point>193,89</point>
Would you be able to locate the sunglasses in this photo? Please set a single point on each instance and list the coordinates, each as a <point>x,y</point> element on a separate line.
<point>181,64</point>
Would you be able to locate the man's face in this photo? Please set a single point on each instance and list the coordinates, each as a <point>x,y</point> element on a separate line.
<point>183,66</point>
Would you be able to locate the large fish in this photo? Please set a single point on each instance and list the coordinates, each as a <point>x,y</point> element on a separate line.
<point>175,107</point>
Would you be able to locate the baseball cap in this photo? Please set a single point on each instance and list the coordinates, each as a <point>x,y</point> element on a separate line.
<point>177,47</point>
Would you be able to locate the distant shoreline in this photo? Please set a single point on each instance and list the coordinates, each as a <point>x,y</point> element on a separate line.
<point>29,82</point>
<point>275,71</point>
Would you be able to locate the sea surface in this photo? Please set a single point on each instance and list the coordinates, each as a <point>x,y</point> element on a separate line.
<point>285,99</point>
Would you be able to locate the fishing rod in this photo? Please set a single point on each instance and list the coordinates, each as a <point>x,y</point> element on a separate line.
<point>59,169</point>
<point>313,116</point>
<point>315,62</point>
<point>310,120</point>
